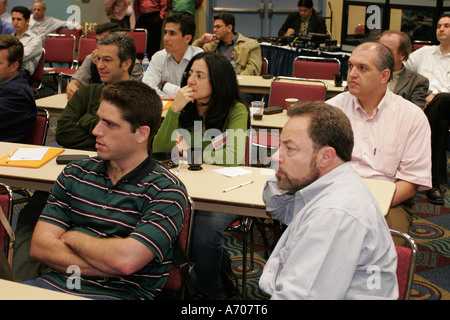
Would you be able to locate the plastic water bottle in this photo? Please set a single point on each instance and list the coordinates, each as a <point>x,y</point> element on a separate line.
<point>145,62</point>
<point>233,64</point>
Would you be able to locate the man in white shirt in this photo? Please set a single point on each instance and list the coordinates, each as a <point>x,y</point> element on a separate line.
<point>337,235</point>
<point>433,62</point>
<point>167,66</point>
<point>32,44</point>
<point>392,135</point>
<point>42,25</point>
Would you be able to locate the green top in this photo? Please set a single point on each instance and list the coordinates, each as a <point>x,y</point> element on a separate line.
<point>235,126</point>
<point>184,6</point>
<point>79,118</point>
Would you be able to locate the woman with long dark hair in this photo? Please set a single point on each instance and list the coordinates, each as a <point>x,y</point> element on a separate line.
<point>208,103</point>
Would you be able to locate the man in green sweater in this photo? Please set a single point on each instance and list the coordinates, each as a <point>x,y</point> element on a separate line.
<point>115,61</point>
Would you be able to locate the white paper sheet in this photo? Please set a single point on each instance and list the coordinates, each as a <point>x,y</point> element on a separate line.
<point>232,171</point>
<point>29,154</point>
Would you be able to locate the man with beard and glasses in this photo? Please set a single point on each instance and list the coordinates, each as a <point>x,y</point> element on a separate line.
<point>336,235</point>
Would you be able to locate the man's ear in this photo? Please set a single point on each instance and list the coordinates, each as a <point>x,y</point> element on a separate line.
<point>325,157</point>
<point>126,64</point>
<point>142,134</point>
<point>385,75</point>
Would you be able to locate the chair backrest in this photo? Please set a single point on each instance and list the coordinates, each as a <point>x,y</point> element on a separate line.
<point>6,203</point>
<point>85,48</point>
<point>175,279</point>
<point>417,44</point>
<point>360,29</point>
<point>38,134</point>
<point>264,66</point>
<point>406,264</point>
<point>140,40</point>
<point>59,48</point>
<point>316,67</point>
<point>36,77</point>
<point>76,33</point>
<point>302,89</point>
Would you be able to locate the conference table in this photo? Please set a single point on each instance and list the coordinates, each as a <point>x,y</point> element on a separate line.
<point>55,104</point>
<point>10,290</point>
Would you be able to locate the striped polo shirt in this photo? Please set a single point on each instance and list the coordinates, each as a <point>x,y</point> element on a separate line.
<point>148,204</point>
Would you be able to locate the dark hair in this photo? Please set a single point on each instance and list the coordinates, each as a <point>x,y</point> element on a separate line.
<point>225,92</point>
<point>329,127</point>
<point>187,23</point>
<point>14,47</point>
<point>305,3</point>
<point>444,15</point>
<point>139,104</point>
<point>405,45</point>
<point>125,43</point>
<point>26,13</point>
<point>227,18</point>
<point>107,27</point>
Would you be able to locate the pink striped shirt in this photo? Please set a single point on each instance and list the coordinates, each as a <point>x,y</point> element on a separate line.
<point>394,144</point>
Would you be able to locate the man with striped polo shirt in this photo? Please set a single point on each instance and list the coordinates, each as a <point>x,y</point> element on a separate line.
<point>113,219</point>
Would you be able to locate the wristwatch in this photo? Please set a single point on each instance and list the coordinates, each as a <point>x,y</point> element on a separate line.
<point>435,92</point>
<point>161,85</point>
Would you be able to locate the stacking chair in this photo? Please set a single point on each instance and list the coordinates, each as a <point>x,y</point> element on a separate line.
<point>36,77</point>
<point>179,280</point>
<point>264,66</point>
<point>85,48</point>
<point>140,40</point>
<point>38,134</point>
<point>59,48</point>
<point>406,264</point>
<point>76,33</point>
<point>316,67</point>
<point>6,233</point>
<point>285,87</point>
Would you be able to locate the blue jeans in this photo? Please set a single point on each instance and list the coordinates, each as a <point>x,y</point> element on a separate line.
<point>207,251</point>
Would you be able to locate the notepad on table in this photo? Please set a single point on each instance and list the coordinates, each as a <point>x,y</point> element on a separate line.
<point>30,157</point>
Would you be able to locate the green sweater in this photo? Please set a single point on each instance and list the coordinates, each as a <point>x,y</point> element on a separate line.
<point>79,118</point>
<point>232,154</point>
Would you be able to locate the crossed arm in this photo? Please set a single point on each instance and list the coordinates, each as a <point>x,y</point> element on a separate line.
<point>59,249</point>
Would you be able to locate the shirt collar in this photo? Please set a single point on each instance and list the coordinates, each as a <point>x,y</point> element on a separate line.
<point>136,175</point>
<point>381,106</point>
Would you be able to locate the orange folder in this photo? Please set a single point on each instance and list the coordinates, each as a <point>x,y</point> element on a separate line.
<point>49,155</point>
<point>168,104</point>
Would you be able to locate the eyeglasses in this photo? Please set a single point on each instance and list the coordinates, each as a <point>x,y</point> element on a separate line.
<point>198,76</point>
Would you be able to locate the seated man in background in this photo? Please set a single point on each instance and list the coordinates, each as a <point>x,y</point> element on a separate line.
<point>42,25</point>
<point>167,66</point>
<point>17,106</point>
<point>116,58</point>
<point>32,44</point>
<point>392,135</point>
<point>115,217</point>
<point>88,73</point>
<point>225,41</point>
<point>409,84</point>
<point>336,231</point>
<point>306,20</point>
<point>433,62</point>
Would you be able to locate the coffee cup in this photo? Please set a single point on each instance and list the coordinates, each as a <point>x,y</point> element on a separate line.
<point>290,102</point>
<point>195,159</point>
<point>257,110</point>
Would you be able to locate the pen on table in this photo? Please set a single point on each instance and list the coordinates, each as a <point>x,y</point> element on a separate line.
<point>238,186</point>
<point>9,157</point>
<point>178,169</point>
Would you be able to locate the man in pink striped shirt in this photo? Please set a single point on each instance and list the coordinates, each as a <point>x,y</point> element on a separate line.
<point>392,135</point>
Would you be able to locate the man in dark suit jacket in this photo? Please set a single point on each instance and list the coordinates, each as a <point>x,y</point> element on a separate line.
<point>314,23</point>
<point>410,85</point>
